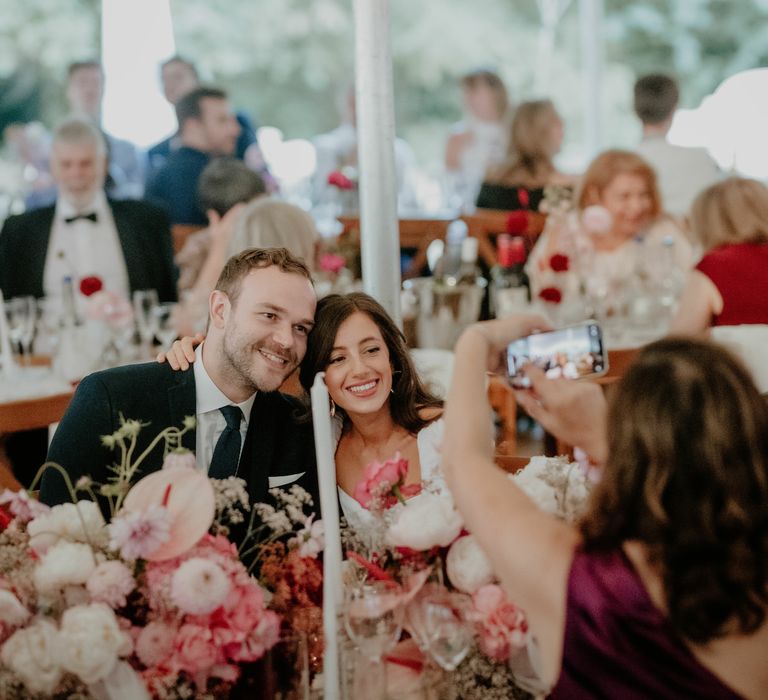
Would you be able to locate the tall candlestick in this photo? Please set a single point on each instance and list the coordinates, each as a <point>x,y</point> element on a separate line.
<point>6,354</point>
<point>329,511</point>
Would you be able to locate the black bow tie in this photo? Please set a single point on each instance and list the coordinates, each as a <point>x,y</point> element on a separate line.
<point>90,217</point>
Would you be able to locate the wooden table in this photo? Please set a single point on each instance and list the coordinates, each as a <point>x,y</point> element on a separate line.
<point>28,414</point>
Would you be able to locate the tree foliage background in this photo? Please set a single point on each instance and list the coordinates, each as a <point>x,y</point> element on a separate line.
<point>286,61</point>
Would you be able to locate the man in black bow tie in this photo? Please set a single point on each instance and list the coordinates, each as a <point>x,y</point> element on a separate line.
<point>127,244</point>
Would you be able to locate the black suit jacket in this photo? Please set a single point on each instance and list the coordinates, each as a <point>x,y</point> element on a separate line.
<point>145,238</point>
<point>277,442</point>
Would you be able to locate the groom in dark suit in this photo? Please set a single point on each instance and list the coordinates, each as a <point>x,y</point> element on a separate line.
<point>260,315</point>
<point>125,243</point>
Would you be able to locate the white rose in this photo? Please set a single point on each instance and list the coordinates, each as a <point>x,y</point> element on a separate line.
<point>12,612</point>
<point>64,564</point>
<point>32,653</point>
<point>425,522</point>
<point>81,522</point>
<point>467,566</point>
<point>91,641</point>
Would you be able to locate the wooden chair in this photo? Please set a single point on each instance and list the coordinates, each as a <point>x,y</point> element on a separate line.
<point>414,234</point>
<point>486,224</point>
<point>180,233</point>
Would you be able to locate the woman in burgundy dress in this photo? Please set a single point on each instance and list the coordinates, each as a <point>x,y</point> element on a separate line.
<point>729,286</point>
<point>661,590</point>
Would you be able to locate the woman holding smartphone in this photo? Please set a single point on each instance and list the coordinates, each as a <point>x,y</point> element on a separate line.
<point>662,589</point>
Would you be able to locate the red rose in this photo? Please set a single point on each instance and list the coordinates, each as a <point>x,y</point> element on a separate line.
<point>340,180</point>
<point>90,285</point>
<point>559,262</point>
<point>517,222</point>
<point>551,294</point>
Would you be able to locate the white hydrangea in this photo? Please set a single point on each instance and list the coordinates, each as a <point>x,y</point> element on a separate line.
<point>81,522</point>
<point>64,564</point>
<point>32,653</point>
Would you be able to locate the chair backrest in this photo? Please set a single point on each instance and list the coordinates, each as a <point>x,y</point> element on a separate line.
<point>485,224</point>
<point>750,343</point>
<point>180,233</point>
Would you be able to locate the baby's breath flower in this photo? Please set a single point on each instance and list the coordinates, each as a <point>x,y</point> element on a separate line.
<point>190,422</point>
<point>109,441</point>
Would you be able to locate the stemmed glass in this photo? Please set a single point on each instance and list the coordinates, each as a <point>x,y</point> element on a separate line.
<point>145,301</point>
<point>373,618</point>
<point>437,620</point>
<point>22,316</point>
<point>165,323</point>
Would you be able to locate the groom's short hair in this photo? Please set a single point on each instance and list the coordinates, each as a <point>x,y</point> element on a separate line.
<point>238,266</point>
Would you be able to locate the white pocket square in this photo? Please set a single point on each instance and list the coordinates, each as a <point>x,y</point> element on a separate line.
<point>277,481</point>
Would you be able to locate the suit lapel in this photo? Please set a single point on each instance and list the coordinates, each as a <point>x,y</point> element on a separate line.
<point>36,251</point>
<point>130,242</point>
<point>257,454</point>
<point>182,402</point>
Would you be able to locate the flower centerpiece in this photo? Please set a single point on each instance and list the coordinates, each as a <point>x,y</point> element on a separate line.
<point>154,601</point>
<point>419,546</point>
<point>343,183</point>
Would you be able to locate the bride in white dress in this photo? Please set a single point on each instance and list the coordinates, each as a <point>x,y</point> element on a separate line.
<point>381,405</point>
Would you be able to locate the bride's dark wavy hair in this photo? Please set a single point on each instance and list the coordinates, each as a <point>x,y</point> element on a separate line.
<point>409,394</point>
<point>687,475</point>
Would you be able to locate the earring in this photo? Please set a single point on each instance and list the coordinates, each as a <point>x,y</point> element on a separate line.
<point>333,407</point>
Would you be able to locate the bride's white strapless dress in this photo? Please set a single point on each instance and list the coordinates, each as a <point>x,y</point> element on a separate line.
<point>428,442</point>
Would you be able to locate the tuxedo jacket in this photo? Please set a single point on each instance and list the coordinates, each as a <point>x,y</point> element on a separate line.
<point>145,238</point>
<point>278,448</point>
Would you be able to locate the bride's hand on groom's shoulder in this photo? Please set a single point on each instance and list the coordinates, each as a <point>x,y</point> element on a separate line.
<point>182,353</point>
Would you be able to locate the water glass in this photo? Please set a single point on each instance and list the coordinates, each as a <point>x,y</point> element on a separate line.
<point>450,633</point>
<point>145,301</point>
<point>373,618</point>
<point>21,313</point>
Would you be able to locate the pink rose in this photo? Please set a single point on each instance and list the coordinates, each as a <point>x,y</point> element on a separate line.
<point>262,638</point>
<point>155,643</point>
<point>245,606</point>
<point>502,625</point>
<point>382,480</point>
<point>195,649</point>
<point>332,262</point>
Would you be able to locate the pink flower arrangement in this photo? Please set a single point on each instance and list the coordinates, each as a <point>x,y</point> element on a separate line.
<point>383,484</point>
<point>332,262</point>
<point>502,626</point>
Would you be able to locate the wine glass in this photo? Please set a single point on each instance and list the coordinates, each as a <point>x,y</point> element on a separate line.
<point>166,324</point>
<point>145,301</point>
<point>22,316</point>
<point>373,618</point>
<point>449,631</point>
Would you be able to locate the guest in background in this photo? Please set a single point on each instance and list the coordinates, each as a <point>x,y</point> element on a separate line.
<point>127,244</point>
<point>660,590</point>
<point>85,94</point>
<point>125,173</point>
<point>535,138</point>
<point>226,186</point>
<point>179,76</point>
<point>729,285</point>
<point>337,149</point>
<point>264,223</point>
<point>207,129</point>
<point>607,246</point>
<point>480,139</point>
<point>682,172</point>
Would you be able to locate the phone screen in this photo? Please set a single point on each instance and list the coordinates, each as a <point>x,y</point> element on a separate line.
<point>573,352</point>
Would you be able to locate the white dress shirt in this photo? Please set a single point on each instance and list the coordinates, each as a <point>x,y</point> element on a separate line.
<point>210,420</point>
<point>682,172</point>
<point>84,248</point>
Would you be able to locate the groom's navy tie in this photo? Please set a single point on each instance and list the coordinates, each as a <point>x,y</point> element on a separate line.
<point>226,454</point>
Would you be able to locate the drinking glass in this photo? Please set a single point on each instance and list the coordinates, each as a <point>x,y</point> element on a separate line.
<point>22,316</point>
<point>145,302</point>
<point>166,324</point>
<point>449,631</point>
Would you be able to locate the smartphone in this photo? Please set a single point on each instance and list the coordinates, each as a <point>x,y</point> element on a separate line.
<point>572,352</point>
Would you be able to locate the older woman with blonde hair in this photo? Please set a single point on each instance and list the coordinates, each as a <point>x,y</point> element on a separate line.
<point>729,286</point>
<point>618,212</point>
<point>535,137</point>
